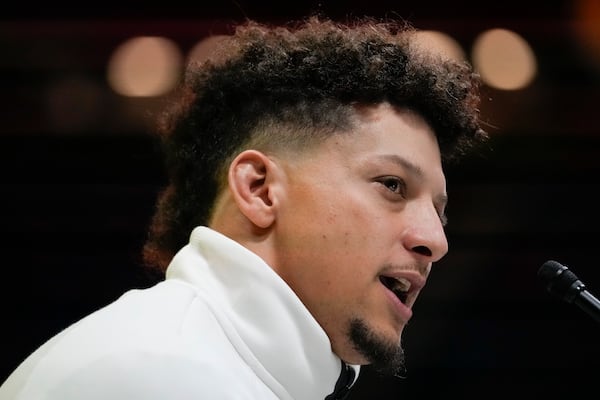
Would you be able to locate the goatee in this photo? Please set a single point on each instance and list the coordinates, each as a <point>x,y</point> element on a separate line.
<point>386,357</point>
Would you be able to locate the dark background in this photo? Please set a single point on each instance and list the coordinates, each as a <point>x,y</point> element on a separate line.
<point>77,196</point>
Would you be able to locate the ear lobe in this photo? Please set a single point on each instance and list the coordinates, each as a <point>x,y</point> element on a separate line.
<point>251,180</point>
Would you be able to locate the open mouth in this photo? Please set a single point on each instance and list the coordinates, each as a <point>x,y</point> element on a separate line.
<point>399,286</point>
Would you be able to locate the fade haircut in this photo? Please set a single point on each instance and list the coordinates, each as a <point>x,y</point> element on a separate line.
<point>289,87</point>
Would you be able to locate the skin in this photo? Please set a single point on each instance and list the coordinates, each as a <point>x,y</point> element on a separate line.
<point>332,220</point>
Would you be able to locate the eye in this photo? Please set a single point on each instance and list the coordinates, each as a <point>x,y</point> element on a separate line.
<point>394,184</point>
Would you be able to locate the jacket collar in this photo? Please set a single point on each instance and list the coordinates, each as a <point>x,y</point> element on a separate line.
<point>278,337</point>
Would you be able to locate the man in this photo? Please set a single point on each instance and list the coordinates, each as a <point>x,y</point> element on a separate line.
<point>304,212</point>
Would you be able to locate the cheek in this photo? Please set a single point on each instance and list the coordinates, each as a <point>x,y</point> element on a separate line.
<point>348,248</point>
<point>337,229</point>
<point>353,226</point>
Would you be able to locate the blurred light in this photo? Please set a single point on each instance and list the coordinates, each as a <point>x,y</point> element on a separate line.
<point>205,48</point>
<point>145,66</point>
<point>504,59</point>
<point>587,27</point>
<point>441,43</point>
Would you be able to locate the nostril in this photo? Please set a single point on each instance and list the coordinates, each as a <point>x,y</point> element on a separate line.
<point>423,250</point>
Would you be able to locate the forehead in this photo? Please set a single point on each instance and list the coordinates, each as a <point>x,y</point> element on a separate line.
<point>388,139</point>
<point>393,130</point>
<point>377,134</point>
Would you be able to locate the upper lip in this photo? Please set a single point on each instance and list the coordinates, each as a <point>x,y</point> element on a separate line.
<point>413,278</point>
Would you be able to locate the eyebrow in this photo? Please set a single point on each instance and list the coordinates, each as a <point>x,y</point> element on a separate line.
<point>441,200</point>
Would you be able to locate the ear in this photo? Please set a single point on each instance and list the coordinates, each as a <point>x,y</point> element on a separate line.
<point>252,181</point>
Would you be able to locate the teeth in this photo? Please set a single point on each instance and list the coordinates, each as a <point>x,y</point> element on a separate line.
<point>400,286</point>
<point>403,284</point>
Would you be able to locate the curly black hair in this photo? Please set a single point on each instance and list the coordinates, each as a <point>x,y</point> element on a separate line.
<point>293,85</point>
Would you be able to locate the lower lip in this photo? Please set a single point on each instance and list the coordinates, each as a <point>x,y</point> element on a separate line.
<point>402,310</point>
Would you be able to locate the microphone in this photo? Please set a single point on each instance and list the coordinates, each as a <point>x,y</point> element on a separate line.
<point>565,285</point>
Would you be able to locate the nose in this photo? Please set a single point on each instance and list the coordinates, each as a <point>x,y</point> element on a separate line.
<point>424,236</point>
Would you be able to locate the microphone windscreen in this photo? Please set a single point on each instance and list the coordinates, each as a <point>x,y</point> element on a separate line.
<point>559,280</point>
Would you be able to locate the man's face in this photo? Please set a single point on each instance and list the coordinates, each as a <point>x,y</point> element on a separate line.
<point>358,228</point>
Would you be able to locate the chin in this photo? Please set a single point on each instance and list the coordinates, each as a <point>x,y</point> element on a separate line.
<point>385,354</point>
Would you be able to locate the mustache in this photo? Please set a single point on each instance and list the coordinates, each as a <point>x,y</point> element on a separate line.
<point>423,268</point>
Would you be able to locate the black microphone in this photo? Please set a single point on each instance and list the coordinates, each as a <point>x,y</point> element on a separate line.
<point>565,285</point>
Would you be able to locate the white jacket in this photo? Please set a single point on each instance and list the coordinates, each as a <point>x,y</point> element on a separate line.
<point>222,325</point>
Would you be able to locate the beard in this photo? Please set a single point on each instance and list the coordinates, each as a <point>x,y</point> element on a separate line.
<point>385,357</point>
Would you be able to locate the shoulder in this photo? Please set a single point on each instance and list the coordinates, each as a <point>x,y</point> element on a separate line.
<point>139,375</point>
<point>155,343</point>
